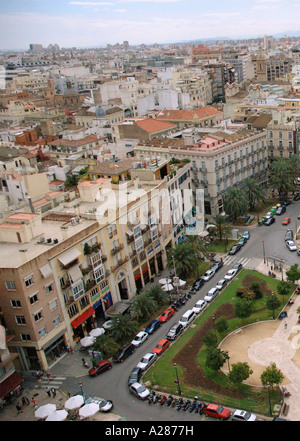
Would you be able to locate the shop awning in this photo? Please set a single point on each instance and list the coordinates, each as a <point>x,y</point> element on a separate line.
<point>8,385</point>
<point>83,317</point>
<point>46,270</point>
<point>68,257</point>
<point>75,274</point>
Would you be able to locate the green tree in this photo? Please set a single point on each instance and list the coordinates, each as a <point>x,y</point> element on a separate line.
<point>271,375</point>
<point>221,325</point>
<point>123,328</point>
<point>293,274</point>
<point>185,260</point>
<point>281,176</point>
<point>235,203</point>
<point>283,288</point>
<point>211,339</point>
<point>221,226</point>
<point>273,303</point>
<point>253,191</point>
<point>215,358</point>
<point>157,294</point>
<point>239,372</point>
<point>197,246</point>
<point>243,308</point>
<point>106,345</point>
<point>255,287</point>
<point>142,306</point>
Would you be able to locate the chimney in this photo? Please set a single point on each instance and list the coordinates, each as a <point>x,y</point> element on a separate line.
<point>30,204</point>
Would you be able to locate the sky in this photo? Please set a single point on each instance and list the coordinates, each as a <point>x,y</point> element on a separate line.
<point>98,23</point>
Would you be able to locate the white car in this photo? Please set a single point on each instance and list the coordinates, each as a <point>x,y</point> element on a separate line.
<point>221,284</point>
<point>138,390</point>
<point>230,275</point>
<point>212,293</point>
<point>139,338</point>
<point>147,360</point>
<point>291,245</point>
<point>208,275</point>
<point>104,405</point>
<point>268,215</point>
<point>200,305</point>
<point>243,415</point>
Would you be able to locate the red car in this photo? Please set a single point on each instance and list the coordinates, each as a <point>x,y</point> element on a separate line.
<point>161,346</point>
<point>216,411</point>
<point>166,315</point>
<point>102,366</point>
<point>286,221</point>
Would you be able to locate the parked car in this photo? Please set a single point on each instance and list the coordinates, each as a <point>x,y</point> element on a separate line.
<point>208,275</point>
<point>221,284</point>
<point>187,318</point>
<point>234,270</point>
<point>161,346</point>
<point>153,326</point>
<point>199,306</point>
<point>217,265</point>
<point>197,285</point>
<point>147,360</point>
<point>174,331</point>
<point>280,210</point>
<point>104,405</point>
<point>139,391</point>
<point>287,202</point>
<point>243,415</point>
<point>286,221</point>
<point>291,245</point>
<point>268,215</point>
<point>289,235</point>
<point>242,241</point>
<point>215,411</point>
<point>234,249</point>
<point>139,338</point>
<point>237,267</point>
<point>166,315</point>
<point>270,221</point>
<point>123,352</point>
<point>135,375</point>
<point>102,366</point>
<point>212,293</point>
<point>297,197</point>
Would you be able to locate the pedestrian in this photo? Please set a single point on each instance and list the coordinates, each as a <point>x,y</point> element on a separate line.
<point>68,349</point>
<point>71,350</point>
<point>33,400</point>
<point>53,390</point>
<point>25,401</point>
<point>19,409</point>
<point>285,325</point>
<point>47,389</point>
<point>48,377</point>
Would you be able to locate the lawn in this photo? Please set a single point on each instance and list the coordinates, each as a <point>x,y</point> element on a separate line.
<point>207,384</point>
<point>220,246</point>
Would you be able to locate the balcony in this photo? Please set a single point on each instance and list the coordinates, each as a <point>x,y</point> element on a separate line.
<point>115,250</point>
<point>120,263</point>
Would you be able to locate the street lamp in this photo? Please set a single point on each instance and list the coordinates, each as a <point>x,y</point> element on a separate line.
<point>270,409</point>
<point>281,267</point>
<point>263,244</point>
<point>80,385</point>
<point>177,380</point>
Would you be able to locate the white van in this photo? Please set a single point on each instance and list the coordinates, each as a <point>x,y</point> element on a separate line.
<point>212,293</point>
<point>187,317</point>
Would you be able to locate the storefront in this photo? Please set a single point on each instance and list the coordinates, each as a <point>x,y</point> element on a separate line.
<point>83,324</point>
<point>11,387</point>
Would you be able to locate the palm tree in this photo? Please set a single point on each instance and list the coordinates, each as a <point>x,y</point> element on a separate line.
<point>282,176</point>
<point>123,328</point>
<point>157,294</point>
<point>253,191</point>
<point>184,260</point>
<point>197,246</point>
<point>221,225</point>
<point>142,305</point>
<point>235,203</point>
<point>106,345</point>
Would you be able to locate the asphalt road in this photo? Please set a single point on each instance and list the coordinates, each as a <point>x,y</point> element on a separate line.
<point>113,384</point>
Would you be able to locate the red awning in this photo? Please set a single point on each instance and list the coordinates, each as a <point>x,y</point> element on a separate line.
<point>83,317</point>
<point>8,385</point>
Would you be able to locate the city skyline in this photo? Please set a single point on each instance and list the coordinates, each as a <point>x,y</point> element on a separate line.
<point>98,23</point>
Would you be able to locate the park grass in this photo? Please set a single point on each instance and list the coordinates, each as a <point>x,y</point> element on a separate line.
<point>220,246</point>
<point>162,374</point>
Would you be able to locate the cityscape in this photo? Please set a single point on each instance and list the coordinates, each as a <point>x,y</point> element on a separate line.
<point>149,212</point>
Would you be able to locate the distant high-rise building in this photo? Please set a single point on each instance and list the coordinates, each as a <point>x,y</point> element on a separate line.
<point>36,48</point>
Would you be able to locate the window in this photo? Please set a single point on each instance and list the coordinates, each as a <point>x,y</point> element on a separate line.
<point>56,321</point>
<point>42,332</point>
<point>15,303</point>
<point>49,288</point>
<point>38,316</point>
<point>10,285</point>
<point>20,320</point>
<point>73,310</point>
<point>78,290</point>
<point>28,281</point>
<point>34,298</point>
<point>99,274</point>
<point>53,305</point>
<point>25,337</point>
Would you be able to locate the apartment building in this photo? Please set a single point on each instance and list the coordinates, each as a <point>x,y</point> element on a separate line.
<point>199,117</point>
<point>282,132</point>
<point>196,83</point>
<point>61,149</point>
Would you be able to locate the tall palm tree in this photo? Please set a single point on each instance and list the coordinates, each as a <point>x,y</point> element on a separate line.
<point>221,225</point>
<point>142,305</point>
<point>282,176</point>
<point>235,203</point>
<point>253,191</point>
<point>123,328</point>
<point>184,260</point>
<point>106,345</point>
<point>197,245</point>
<point>157,293</point>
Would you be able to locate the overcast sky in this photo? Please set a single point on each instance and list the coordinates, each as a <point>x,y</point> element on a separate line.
<point>98,23</point>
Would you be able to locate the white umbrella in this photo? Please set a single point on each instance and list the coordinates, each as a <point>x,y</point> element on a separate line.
<point>87,341</point>
<point>180,282</point>
<point>44,411</point>
<point>168,287</point>
<point>74,402</point>
<point>164,281</point>
<point>57,415</point>
<point>96,332</point>
<point>88,410</point>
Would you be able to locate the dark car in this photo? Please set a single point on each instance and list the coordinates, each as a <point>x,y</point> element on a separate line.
<point>197,285</point>
<point>234,249</point>
<point>289,235</point>
<point>242,241</point>
<point>280,210</point>
<point>134,376</point>
<point>123,352</point>
<point>237,266</point>
<point>297,197</point>
<point>270,221</point>
<point>153,326</point>
<point>102,366</point>
<point>287,202</point>
<point>174,331</point>
<point>217,265</point>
